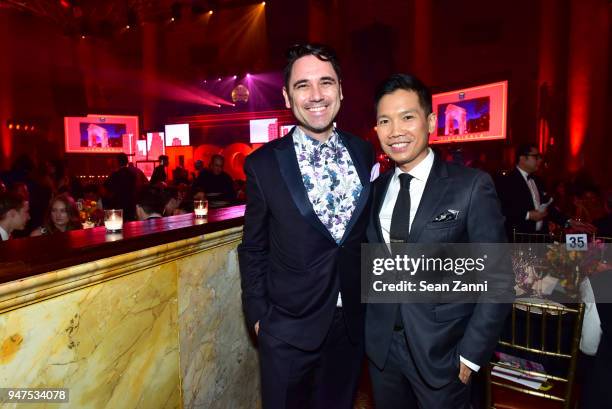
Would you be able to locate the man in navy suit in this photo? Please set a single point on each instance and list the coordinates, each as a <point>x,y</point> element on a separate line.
<point>306,216</point>
<point>423,354</point>
<point>525,203</point>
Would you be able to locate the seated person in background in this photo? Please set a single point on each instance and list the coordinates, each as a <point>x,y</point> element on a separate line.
<point>240,189</point>
<point>199,167</point>
<point>180,175</point>
<point>217,184</point>
<point>149,204</point>
<point>172,198</point>
<point>62,215</point>
<point>14,214</point>
<point>589,204</point>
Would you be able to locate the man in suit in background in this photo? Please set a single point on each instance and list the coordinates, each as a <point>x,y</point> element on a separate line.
<point>422,354</point>
<point>305,219</point>
<point>525,203</point>
<point>121,188</point>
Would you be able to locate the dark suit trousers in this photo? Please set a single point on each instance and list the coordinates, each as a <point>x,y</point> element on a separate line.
<point>325,378</point>
<point>399,385</point>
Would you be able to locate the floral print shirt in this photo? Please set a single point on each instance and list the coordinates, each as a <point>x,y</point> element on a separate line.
<point>330,179</point>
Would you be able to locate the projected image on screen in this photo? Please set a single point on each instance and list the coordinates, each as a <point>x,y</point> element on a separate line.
<point>101,135</point>
<point>263,130</point>
<point>177,135</point>
<point>464,117</point>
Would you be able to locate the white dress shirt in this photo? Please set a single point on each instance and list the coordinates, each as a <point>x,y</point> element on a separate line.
<point>535,196</point>
<point>419,174</point>
<point>3,234</point>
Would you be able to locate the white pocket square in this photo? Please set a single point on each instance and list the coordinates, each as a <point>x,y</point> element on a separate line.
<point>450,214</point>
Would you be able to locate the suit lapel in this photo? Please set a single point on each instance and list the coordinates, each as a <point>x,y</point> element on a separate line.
<point>290,171</point>
<point>364,177</point>
<point>435,189</point>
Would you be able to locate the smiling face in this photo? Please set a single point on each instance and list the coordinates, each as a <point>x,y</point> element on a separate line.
<point>403,128</point>
<point>314,96</point>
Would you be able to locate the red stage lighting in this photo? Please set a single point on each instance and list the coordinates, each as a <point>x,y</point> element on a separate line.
<point>65,4</point>
<point>17,126</point>
<point>10,126</point>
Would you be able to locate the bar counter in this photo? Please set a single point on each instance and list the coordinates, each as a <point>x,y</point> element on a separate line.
<point>148,318</point>
<point>26,257</point>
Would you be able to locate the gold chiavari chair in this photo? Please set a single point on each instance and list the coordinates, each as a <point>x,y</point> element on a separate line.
<point>566,323</point>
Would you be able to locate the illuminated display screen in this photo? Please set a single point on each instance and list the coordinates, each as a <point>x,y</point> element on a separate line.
<point>100,134</point>
<point>177,135</point>
<point>471,114</point>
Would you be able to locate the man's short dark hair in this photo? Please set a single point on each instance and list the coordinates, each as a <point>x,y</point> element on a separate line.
<point>524,150</point>
<point>322,52</point>
<point>122,159</point>
<point>10,201</point>
<point>406,82</point>
<point>151,200</point>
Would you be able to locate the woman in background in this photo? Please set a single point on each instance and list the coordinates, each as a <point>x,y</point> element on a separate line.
<point>62,215</point>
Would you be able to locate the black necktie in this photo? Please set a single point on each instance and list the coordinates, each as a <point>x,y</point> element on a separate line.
<point>400,220</point>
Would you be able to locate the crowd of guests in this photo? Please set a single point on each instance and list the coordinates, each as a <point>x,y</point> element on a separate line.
<point>43,200</point>
<point>52,201</point>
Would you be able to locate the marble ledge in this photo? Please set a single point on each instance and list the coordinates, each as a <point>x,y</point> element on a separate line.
<point>16,294</point>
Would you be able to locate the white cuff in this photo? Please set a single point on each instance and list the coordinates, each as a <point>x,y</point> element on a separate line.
<point>527,217</point>
<point>469,364</point>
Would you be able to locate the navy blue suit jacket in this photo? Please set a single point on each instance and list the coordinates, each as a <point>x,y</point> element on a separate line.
<point>291,267</point>
<point>438,333</point>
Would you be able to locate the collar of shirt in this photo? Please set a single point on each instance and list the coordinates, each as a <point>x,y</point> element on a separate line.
<point>309,144</point>
<point>421,171</point>
<point>3,234</point>
<point>523,174</point>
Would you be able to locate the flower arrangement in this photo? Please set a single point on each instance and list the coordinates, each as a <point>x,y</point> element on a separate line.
<point>90,213</point>
<point>542,268</point>
<point>571,267</point>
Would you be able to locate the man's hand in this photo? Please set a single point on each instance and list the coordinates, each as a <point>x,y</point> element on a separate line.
<point>536,216</point>
<point>464,373</point>
<point>257,328</point>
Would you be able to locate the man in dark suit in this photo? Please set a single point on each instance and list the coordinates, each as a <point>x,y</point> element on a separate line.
<point>423,354</point>
<point>525,203</point>
<point>121,188</point>
<point>306,216</point>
